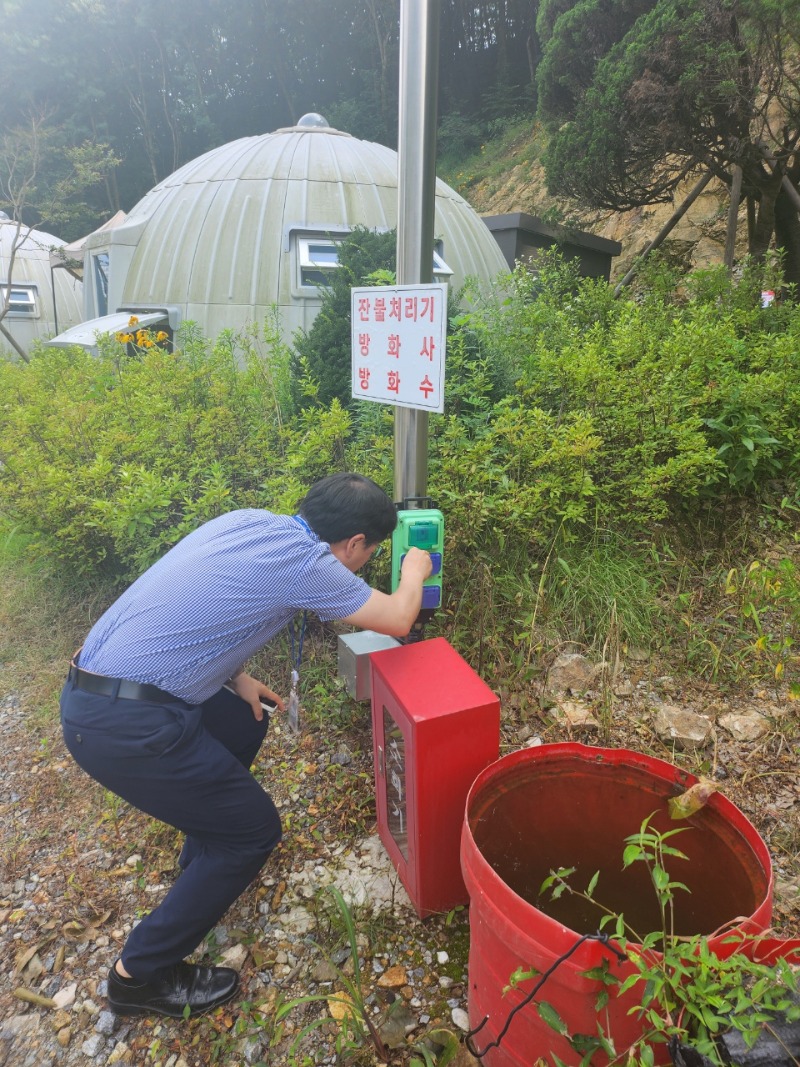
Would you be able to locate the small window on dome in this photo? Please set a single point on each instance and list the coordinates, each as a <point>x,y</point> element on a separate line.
<point>317,257</point>
<point>441,271</point>
<point>22,300</point>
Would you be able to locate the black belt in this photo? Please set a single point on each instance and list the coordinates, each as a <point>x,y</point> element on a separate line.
<point>119,687</point>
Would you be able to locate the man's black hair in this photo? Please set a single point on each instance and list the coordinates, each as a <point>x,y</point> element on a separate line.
<point>343,505</point>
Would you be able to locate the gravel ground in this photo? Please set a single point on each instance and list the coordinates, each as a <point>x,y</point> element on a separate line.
<point>78,866</point>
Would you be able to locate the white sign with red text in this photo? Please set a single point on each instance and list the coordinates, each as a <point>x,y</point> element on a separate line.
<point>398,344</point>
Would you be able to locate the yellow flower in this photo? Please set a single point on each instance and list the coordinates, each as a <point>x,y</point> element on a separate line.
<point>162,336</point>
<point>133,320</point>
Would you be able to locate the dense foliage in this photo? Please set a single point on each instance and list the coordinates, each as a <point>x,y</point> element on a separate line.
<point>161,84</point>
<point>636,94</point>
<point>585,440</point>
<point>681,401</point>
<point>113,458</point>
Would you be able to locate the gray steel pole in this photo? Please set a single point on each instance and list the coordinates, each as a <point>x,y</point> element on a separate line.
<point>416,192</point>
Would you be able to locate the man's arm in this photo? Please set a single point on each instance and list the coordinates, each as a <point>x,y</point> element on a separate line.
<point>394,614</point>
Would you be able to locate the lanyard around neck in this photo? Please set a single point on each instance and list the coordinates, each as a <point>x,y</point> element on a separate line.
<point>297,643</point>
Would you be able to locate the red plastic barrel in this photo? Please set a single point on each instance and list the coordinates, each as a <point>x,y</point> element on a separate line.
<point>569,805</point>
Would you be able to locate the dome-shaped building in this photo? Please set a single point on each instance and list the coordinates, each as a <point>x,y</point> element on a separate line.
<point>253,224</point>
<point>41,301</point>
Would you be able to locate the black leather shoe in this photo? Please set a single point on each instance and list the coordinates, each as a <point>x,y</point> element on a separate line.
<point>202,988</point>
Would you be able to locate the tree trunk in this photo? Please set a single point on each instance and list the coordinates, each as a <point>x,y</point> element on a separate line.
<point>382,41</point>
<point>13,343</point>
<point>765,217</point>
<point>751,220</point>
<point>787,235</point>
<point>733,217</point>
<point>665,230</point>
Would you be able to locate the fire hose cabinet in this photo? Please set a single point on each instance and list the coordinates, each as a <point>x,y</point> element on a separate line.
<point>436,725</point>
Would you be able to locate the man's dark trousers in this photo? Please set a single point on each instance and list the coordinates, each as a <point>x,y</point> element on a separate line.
<point>187,766</point>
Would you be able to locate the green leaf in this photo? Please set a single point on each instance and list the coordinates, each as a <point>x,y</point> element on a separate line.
<point>660,877</point>
<point>549,1015</point>
<point>647,1057</point>
<point>629,983</point>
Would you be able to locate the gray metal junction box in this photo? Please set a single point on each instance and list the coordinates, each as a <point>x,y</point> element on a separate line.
<point>354,668</point>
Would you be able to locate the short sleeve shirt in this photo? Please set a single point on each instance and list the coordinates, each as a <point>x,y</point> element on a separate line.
<point>191,620</point>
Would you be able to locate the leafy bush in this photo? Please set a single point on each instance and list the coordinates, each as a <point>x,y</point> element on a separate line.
<point>690,399</point>
<point>635,417</point>
<point>321,362</point>
<point>457,135</point>
<point>110,459</point>
<point>578,430</point>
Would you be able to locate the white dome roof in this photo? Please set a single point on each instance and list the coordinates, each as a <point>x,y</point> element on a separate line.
<point>31,277</point>
<point>214,238</point>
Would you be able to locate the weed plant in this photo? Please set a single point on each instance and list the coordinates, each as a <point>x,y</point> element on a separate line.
<point>44,613</point>
<point>604,583</point>
<point>462,159</point>
<point>358,1031</point>
<point>684,990</point>
<point>742,624</point>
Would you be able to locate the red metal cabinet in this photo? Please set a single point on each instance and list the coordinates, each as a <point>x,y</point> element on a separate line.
<point>436,725</point>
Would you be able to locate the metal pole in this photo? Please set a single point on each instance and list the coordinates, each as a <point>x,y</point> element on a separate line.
<point>416,192</point>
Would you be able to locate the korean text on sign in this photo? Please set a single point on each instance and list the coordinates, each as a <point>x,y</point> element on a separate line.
<point>398,345</point>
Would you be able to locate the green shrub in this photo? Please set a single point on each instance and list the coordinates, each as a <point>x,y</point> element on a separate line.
<point>110,459</point>
<point>568,412</point>
<point>616,417</point>
<point>692,397</point>
<point>321,362</point>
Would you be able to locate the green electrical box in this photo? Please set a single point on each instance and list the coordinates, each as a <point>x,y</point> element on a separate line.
<point>420,528</point>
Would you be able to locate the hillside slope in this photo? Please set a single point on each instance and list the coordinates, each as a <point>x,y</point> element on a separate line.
<point>506,175</point>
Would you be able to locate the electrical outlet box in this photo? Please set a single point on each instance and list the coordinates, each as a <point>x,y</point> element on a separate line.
<point>420,528</point>
<point>354,666</point>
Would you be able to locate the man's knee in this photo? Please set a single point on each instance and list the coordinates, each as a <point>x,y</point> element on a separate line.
<point>265,833</point>
<point>271,835</point>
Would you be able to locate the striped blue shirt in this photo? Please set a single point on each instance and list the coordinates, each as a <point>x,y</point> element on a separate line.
<point>191,620</point>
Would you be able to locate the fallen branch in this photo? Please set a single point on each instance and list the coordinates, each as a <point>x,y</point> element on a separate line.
<point>34,998</point>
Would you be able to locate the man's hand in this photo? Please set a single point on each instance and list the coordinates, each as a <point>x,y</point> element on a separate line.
<point>394,613</point>
<point>251,690</point>
<point>416,564</point>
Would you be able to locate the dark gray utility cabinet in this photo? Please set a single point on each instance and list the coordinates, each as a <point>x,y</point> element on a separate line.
<point>522,237</point>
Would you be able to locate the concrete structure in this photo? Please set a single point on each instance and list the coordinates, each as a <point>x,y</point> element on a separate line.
<point>253,224</point>
<point>522,236</point>
<point>42,301</point>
